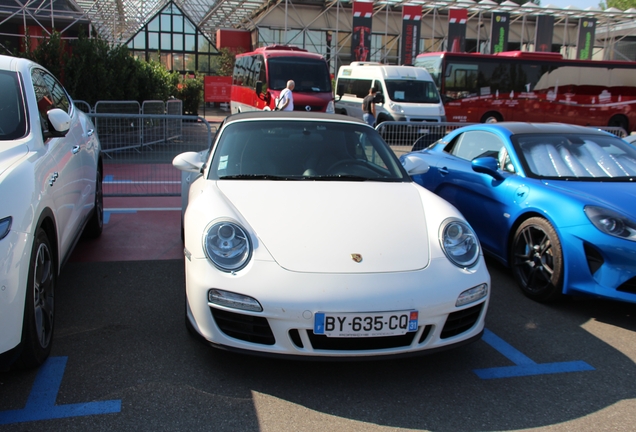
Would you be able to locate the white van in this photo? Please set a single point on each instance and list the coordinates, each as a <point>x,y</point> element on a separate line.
<point>405,93</point>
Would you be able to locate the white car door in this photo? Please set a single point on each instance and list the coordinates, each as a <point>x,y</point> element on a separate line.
<point>67,181</point>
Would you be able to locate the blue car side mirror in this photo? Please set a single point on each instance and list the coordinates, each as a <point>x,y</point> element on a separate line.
<point>487,165</point>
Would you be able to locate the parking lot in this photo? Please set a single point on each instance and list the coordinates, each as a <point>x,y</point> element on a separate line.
<point>123,360</point>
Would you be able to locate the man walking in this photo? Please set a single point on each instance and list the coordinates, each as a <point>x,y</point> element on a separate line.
<point>368,107</point>
<point>286,98</point>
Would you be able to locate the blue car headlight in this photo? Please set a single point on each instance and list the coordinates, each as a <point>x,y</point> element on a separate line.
<point>459,243</point>
<point>227,245</point>
<point>611,222</point>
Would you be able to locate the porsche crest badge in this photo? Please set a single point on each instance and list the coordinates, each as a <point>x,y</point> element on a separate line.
<point>356,257</point>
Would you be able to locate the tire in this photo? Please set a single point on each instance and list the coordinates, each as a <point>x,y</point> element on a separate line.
<point>491,117</point>
<point>95,224</point>
<point>39,309</point>
<point>620,121</point>
<point>536,259</point>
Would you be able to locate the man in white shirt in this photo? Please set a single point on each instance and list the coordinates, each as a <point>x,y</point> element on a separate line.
<point>286,98</point>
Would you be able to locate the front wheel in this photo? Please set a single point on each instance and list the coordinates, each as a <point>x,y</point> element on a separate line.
<point>537,260</point>
<point>39,310</point>
<point>491,117</point>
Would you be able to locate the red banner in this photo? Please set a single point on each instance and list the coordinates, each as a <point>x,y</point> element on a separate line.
<point>361,35</point>
<point>411,27</point>
<point>457,19</point>
<point>217,89</point>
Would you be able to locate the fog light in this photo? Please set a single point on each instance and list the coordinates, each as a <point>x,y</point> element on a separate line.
<point>472,295</point>
<point>233,300</point>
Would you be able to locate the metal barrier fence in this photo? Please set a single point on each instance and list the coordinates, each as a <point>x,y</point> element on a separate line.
<point>138,150</point>
<point>404,137</point>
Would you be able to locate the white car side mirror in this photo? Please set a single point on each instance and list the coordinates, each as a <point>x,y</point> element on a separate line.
<point>60,121</point>
<point>415,165</point>
<point>188,161</point>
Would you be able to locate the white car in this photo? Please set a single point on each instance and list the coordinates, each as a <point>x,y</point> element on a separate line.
<point>304,236</point>
<point>50,189</point>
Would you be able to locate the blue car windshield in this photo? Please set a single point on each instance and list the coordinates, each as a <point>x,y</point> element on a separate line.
<point>576,157</point>
<point>303,150</point>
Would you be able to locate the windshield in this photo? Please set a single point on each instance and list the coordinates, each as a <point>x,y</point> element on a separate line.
<point>310,75</point>
<point>12,115</point>
<point>303,150</point>
<point>412,91</point>
<point>433,65</point>
<point>574,156</point>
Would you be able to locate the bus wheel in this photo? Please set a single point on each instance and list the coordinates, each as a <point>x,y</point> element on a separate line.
<point>491,117</point>
<point>620,121</point>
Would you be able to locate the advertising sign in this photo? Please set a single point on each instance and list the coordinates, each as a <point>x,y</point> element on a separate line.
<point>543,33</point>
<point>499,29</point>
<point>457,19</point>
<point>587,27</point>
<point>361,35</point>
<point>217,89</point>
<point>411,29</point>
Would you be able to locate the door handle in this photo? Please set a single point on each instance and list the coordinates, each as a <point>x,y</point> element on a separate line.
<point>443,171</point>
<point>90,132</point>
<point>76,149</point>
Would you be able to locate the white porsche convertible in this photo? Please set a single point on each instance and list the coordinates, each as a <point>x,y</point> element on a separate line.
<point>305,236</point>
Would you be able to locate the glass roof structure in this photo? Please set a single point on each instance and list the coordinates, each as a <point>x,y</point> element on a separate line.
<point>119,20</point>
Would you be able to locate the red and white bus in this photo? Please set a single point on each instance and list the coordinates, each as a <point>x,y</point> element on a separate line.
<point>261,75</point>
<point>533,86</point>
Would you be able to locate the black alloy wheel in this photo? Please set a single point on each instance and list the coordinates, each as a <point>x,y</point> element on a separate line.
<point>537,260</point>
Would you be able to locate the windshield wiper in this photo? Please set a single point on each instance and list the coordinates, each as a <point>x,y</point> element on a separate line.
<point>256,177</point>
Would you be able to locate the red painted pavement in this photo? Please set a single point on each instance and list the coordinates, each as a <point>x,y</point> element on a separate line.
<point>139,228</point>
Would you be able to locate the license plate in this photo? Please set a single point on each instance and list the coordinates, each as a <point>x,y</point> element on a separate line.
<point>371,324</point>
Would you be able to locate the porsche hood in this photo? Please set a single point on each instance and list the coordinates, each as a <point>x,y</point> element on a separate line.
<point>335,227</point>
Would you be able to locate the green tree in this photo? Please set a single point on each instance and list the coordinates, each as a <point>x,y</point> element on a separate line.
<point>190,91</point>
<point>92,70</point>
<point>225,61</point>
<point>618,4</point>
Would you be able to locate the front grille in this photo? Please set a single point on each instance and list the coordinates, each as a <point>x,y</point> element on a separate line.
<point>628,286</point>
<point>321,342</point>
<point>314,108</point>
<point>461,321</point>
<point>244,327</point>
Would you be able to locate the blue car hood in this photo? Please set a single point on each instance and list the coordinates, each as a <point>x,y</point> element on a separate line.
<point>620,196</point>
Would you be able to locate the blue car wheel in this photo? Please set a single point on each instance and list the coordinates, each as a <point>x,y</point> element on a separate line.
<point>537,260</point>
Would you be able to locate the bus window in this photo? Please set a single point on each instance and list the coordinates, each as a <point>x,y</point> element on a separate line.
<point>310,75</point>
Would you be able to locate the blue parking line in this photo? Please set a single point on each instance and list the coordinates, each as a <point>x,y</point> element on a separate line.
<point>107,213</point>
<point>41,402</point>
<point>524,366</point>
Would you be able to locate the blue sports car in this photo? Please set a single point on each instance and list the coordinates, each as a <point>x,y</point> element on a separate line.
<point>554,202</point>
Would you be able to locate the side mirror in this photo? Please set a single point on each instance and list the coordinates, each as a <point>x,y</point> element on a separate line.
<point>487,165</point>
<point>188,161</point>
<point>415,165</point>
<point>379,98</point>
<point>340,90</point>
<point>259,87</point>
<point>59,122</point>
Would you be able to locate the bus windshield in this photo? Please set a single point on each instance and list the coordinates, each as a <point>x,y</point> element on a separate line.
<point>412,91</point>
<point>309,75</point>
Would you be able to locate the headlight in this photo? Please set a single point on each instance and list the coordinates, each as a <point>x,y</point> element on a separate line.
<point>5,226</point>
<point>330,108</point>
<point>227,245</point>
<point>611,222</point>
<point>396,108</point>
<point>459,243</point>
